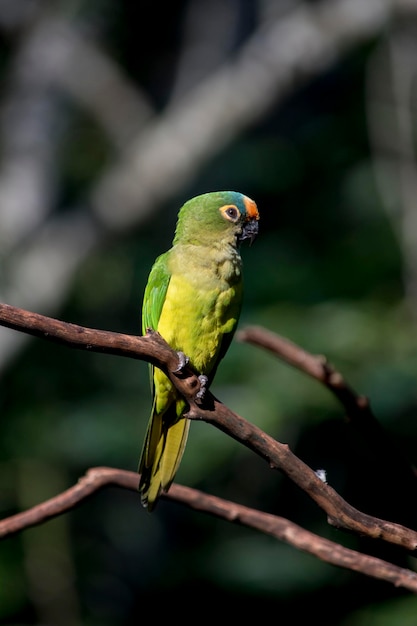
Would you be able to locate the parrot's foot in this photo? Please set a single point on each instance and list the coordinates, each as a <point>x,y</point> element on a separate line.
<point>183,360</point>
<point>203,380</point>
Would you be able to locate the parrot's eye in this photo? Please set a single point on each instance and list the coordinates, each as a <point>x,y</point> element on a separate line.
<point>230,212</point>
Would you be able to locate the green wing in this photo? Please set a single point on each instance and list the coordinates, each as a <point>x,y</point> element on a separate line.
<point>154,297</point>
<point>155,292</point>
<point>166,436</point>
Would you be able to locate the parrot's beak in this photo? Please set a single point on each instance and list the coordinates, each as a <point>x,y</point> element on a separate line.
<point>249,231</point>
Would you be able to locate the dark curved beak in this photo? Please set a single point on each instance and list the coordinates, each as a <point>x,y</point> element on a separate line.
<point>249,231</point>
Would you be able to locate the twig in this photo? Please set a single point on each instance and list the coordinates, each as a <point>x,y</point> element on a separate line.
<point>358,408</point>
<point>99,477</point>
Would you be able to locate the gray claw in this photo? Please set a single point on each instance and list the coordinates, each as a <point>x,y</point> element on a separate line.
<point>203,380</point>
<point>183,360</point>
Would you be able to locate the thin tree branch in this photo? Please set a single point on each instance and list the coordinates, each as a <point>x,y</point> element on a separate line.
<point>99,477</point>
<point>358,408</point>
<point>154,349</point>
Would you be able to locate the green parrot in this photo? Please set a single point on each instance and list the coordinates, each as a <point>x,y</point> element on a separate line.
<point>193,299</point>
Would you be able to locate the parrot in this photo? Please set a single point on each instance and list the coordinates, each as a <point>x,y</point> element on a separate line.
<point>193,299</point>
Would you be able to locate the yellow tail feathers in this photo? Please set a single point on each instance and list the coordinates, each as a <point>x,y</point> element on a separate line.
<point>164,446</point>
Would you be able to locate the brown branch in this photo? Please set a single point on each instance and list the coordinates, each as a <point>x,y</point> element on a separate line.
<point>99,477</point>
<point>150,348</point>
<point>315,366</point>
<point>153,348</point>
<point>357,407</point>
<point>279,456</point>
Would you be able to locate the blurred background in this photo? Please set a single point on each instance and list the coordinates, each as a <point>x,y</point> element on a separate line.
<point>112,114</point>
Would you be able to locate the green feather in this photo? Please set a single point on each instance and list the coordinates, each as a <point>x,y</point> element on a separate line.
<point>155,292</point>
<point>193,299</point>
<point>154,297</point>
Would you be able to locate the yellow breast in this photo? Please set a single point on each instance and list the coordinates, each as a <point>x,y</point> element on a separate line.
<point>194,320</point>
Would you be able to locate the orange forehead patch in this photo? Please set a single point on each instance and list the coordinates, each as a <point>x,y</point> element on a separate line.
<point>251,208</point>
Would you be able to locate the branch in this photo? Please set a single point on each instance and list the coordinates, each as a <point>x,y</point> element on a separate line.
<point>151,348</point>
<point>358,408</point>
<point>98,477</point>
<point>317,367</point>
<point>154,349</point>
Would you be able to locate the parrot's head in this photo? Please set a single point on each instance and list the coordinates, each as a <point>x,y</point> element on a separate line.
<point>226,216</point>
